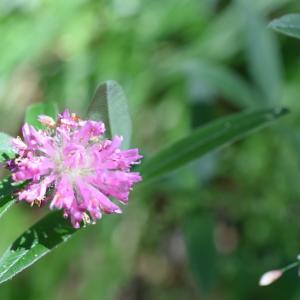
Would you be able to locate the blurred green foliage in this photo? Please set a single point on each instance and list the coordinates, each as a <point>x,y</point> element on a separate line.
<point>209,230</point>
<point>287,24</point>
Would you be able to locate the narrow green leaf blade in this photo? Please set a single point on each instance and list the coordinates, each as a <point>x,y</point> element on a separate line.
<point>199,238</point>
<point>219,133</point>
<point>6,150</point>
<point>43,108</point>
<point>263,54</point>
<point>288,25</point>
<point>33,244</point>
<point>109,105</point>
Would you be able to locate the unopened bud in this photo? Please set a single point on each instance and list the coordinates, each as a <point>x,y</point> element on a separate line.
<point>269,277</point>
<point>46,120</point>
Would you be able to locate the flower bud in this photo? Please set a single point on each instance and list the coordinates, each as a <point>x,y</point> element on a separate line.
<point>269,277</point>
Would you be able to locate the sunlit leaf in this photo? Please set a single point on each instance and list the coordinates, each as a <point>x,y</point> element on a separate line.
<point>208,138</point>
<point>110,105</point>
<point>288,25</point>
<point>36,242</point>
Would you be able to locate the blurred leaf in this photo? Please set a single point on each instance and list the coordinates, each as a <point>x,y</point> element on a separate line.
<point>33,244</point>
<point>263,54</point>
<point>6,150</point>
<point>288,25</point>
<point>208,138</point>
<point>109,105</point>
<point>118,252</point>
<point>229,84</point>
<point>199,240</point>
<point>220,39</point>
<point>44,108</point>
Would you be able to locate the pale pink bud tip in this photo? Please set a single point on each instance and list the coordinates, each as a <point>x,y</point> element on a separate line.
<point>269,277</point>
<point>46,120</point>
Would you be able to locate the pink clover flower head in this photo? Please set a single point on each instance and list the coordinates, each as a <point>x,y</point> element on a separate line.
<point>71,164</point>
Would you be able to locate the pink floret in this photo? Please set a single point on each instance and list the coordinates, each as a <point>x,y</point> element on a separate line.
<point>72,165</point>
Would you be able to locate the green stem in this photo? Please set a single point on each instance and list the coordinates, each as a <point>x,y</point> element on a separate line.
<point>291,266</point>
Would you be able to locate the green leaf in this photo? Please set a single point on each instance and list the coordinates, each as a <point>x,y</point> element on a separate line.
<point>201,250</point>
<point>36,242</point>
<point>228,83</point>
<point>7,188</point>
<point>288,25</point>
<point>6,150</point>
<point>263,54</point>
<point>109,105</point>
<point>205,139</point>
<point>44,108</point>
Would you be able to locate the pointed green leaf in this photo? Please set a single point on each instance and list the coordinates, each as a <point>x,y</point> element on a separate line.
<point>109,105</point>
<point>263,54</point>
<point>222,132</point>
<point>33,244</point>
<point>288,25</point>
<point>43,108</point>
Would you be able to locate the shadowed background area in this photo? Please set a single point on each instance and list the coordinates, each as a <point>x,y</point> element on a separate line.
<point>208,230</point>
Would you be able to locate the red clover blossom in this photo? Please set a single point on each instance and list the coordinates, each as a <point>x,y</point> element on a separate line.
<point>72,165</point>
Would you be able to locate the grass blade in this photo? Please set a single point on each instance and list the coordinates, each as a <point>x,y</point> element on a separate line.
<point>208,138</point>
